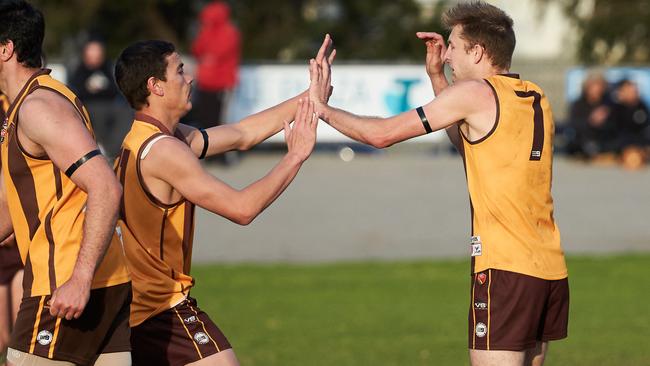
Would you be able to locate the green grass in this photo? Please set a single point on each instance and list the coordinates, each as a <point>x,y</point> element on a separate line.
<point>410,313</point>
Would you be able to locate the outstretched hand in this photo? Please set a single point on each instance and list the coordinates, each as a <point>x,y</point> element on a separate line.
<point>301,137</point>
<point>436,49</point>
<point>320,88</point>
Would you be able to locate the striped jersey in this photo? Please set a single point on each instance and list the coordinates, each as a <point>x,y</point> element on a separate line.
<point>509,174</point>
<point>157,236</point>
<point>47,209</point>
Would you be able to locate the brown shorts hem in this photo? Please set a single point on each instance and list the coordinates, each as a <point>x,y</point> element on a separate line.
<point>553,337</point>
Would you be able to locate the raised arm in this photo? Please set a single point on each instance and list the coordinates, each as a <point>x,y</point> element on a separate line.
<point>172,162</point>
<point>65,139</point>
<point>435,66</point>
<point>256,128</point>
<point>446,109</point>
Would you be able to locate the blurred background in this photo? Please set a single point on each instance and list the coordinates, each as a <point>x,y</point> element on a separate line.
<point>364,259</point>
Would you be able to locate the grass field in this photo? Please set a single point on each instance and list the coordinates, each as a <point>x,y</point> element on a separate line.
<point>410,313</point>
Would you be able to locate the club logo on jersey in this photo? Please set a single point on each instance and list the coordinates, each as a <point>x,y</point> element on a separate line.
<point>480,305</point>
<point>481,277</point>
<point>3,133</point>
<point>190,320</point>
<point>201,338</point>
<point>44,337</point>
<point>481,330</point>
<point>477,248</point>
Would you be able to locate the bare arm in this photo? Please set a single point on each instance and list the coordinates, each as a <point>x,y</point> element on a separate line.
<point>435,66</point>
<point>244,134</point>
<point>6,227</point>
<point>256,128</point>
<point>174,163</point>
<point>446,109</point>
<point>65,139</point>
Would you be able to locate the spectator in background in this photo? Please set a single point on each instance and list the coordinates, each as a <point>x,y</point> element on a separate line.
<point>93,82</point>
<point>593,133</point>
<point>632,120</point>
<point>217,50</point>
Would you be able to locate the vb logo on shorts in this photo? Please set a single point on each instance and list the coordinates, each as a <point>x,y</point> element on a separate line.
<point>44,337</point>
<point>201,338</point>
<point>190,320</point>
<point>481,330</point>
<point>480,305</point>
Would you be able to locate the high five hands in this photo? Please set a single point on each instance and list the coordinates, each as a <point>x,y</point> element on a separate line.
<point>320,88</point>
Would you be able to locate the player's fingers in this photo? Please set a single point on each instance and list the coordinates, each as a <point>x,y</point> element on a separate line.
<point>332,56</point>
<point>323,48</point>
<point>313,71</point>
<point>77,314</point>
<point>424,35</point>
<point>287,132</point>
<point>303,115</point>
<point>309,118</point>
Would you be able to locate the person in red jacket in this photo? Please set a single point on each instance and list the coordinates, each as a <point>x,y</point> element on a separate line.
<point>217,50</point>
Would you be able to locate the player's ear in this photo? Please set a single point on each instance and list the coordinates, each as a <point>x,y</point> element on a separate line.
<point>154,87</point>
<point>6,50</point>
<point>478,52</point>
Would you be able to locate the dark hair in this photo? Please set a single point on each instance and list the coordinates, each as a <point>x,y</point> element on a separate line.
<point>137,63</point>
<point>485,25</point>
<point>24,25</point>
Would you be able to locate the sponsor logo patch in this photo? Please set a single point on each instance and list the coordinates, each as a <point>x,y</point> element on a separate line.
<point>44,337</point>
<point>481,277</point>
<point>481,330</point>
<point>201,338</point>
<point>190,320</point>
<point>480,305</point>
<point>476,245</point>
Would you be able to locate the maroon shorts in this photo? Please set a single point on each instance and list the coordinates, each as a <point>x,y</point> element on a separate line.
<point>10,262</point>
<point>512,311</point>
<point>178,336</point>
<point>102,328</point>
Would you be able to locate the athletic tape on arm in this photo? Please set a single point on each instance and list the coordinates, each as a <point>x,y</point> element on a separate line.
<point>423,118</point>
<point>73,168</point>
<point>206,143</point>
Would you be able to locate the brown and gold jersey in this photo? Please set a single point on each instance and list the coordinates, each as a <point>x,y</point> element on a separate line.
<point>47,209</point>
<point>157,236</point>
<point>509,175</point>
<point>4,106</point>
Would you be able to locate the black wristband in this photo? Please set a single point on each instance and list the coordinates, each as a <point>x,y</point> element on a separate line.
<point>206,142</point>
<point>73,168</point>
<point>423,118</point>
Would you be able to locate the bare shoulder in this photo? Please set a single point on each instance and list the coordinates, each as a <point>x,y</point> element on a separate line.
<point>47,105</point>
<point>475,88</point>
<point>169,152</point>
<point>45,111</point>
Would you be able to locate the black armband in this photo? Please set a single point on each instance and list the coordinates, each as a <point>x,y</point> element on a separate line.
<point>73,168</point>
<point>206,143</point>
<point>423,118</point>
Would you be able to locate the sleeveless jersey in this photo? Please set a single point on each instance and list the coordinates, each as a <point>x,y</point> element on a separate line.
<point>509,174</point>
<point>4,106</point>
<point>47,209</point>
<point>157,237</point>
